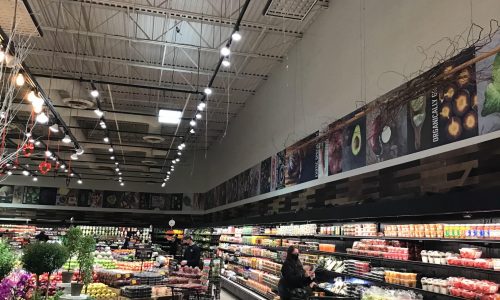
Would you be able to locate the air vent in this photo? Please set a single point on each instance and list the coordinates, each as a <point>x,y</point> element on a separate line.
<point>26,24</point>
<point>153,139</point>
<point>78,103</point>
<point>289,9</point>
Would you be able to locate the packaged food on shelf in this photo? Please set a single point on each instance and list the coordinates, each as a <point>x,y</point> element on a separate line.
<point>471,288</point>
<point>301,229</point>
<point>365,229</point>
<point>435,285</point>
<point>375,292</point>
<point>401,278</point>
<point>326,247</point>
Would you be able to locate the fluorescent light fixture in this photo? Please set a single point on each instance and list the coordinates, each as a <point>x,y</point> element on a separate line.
<point>168,116</point>
<point>79,151</point>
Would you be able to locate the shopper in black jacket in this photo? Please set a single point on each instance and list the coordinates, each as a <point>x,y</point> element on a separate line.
<point>293,276</point>
<point>192,253</point>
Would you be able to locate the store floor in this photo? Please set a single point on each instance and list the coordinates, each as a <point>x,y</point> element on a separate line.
<point>227,296</point>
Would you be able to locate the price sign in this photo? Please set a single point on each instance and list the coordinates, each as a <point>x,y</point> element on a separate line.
<point>143,253</point>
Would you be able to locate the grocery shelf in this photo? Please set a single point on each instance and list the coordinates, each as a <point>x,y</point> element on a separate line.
<point>403,262</point>
<point>426,294</point>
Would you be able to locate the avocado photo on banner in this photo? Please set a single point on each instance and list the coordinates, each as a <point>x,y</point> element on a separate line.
<point>354,142</point>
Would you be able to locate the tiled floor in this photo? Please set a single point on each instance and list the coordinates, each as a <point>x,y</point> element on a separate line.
<point>227,296</point>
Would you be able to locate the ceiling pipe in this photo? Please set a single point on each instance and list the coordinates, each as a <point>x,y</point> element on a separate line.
<point>139,86</point>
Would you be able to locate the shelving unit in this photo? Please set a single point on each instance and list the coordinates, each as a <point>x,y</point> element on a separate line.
<point>424,269</point>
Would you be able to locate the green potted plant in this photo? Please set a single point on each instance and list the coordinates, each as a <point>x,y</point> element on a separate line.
<point>70,241</point>
<point>6,259</point>
<point>85,258</point>
<point>39,258</point>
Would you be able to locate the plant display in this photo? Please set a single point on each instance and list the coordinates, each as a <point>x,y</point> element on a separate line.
<point>85,257</point>
<point>492,93</point>
<point>6,259</point>
<point>42,258</point>
<point>17,285</point>
<point>71,241</point>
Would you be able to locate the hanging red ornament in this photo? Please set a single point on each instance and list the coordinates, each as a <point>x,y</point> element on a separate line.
<point>28,149</point>
<point>44,167</point>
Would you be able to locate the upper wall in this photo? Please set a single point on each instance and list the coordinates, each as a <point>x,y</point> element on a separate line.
<point>321,78</point>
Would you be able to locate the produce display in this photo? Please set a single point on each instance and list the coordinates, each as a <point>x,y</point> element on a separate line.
<point>377,293</point>
<point>114,278</point>
<point>386,249</point>
<point>468,257</point>
<point>134,266</point>
<point>100,291</point>
<point>472,289</point>
<point>137,291</point>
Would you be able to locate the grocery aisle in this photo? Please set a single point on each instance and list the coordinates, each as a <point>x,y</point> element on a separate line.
<point>224,295</point>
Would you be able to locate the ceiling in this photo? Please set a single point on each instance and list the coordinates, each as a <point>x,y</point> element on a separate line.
<point>146,55</point>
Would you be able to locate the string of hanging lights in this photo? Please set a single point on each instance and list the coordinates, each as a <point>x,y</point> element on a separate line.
<point>224,61</point>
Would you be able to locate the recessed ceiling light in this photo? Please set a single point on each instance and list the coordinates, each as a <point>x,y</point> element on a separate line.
<point>168,116</point>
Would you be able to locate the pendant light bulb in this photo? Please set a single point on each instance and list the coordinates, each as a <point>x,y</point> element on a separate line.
<point>117,169</point>
<point>207,91</point>
<point>54,128</point>
<point>192,131</point>
<point>35,178</point>
<point>42,118</point>
<point>74,156</point>
<point>66,139</point>
<point>106,140</point>
<point>63,166</point>
<point>202,105</point>
<point>178,159</point>
<point>37,103</point>
<point>72,174</point>
<point>31,96</point>
<point>225,51</point>
<point>94,93</point>
<point>112,157</point>
<point>37,143</point>
<point>20,79</point>
<point>236,36</point>
<point>163,184</point>
<point>198,116</point>
<point>25,173</point>
<point>192,123</point>
<point>120,173</point>
<point>122,184</point>
<point>111,150</point>
<point>2,55</point>
<point>80,181</point>
<point>48,153</point>
<point>79,151</point>
<point>9,173</point>
<point>102,124</point>
<point>179,153</point>
<point>226,63</point>
<point>174,161</point>
<point>98,112</point>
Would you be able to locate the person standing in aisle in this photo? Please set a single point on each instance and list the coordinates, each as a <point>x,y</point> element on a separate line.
<point>294,281</point>
<point>192,253</point>
<point>42,237</point>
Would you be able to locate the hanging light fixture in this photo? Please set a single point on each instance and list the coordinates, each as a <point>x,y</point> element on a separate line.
<point>225,62</point>
<point>168,172</point>
<point>79,151</point>
<point>80,181</point>
<point>48,153</point>
<point>35,178</point>
<point>25,173</point>
<point>9,173</point>
<point>74,156</point>
<point>20,79</point>
<point>2,54</point>
<point>174,161</point>
<point>63,166</point>
<point>122,184</point>
<point>120,173</point>
<point>116,163</point>
<point>37,143</point>
<point>192,122</point>
<point>102,124</point>
<point>112,157</point>
<point>202,106</point>
<point>117,169</point>
<point>72,174</point>
<point>42,118</point>
<point>178,159</point>
<point>106,140</point>
<point>198,116</point>
<point>225,51</point>
<point>66,139</point>
<point>111,149</point>
<point>192,131</point>
<point>98,112</point>
<point>236,36</point>
<point>31,96</point>
<point>37,103</point>
<point>94,93</point>
<point>179,153</point>
<point>54,128</point>
<point>163,184</point>
<point>207,91</point>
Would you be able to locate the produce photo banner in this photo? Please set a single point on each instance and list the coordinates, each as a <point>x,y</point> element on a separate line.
<point>65,197</point>
<point>431,110</point>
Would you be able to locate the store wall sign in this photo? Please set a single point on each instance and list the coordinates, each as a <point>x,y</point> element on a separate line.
<point>456,107</point>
